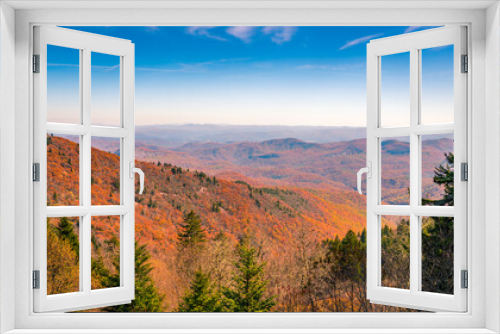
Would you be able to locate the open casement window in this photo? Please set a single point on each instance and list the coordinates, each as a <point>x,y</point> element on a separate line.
<point>407,107</point>
<point>74,216</point>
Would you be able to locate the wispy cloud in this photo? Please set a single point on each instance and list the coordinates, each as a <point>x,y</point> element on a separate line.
<point>152,29</point>
<point>280,35</point>
<point>204,31</point>
<point>243,33</point>
<point>192,67</point>
<point>179,67</point>
<point>62,65</point>
<point>411,29</point>
<point>327,67</point>
<point>359,41</point>
<point>104,68</point>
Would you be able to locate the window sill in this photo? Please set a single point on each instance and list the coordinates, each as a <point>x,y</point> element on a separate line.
<point>251,331</point>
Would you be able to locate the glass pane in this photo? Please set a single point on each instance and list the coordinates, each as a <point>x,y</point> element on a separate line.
<point>437,103</point>
<point>437,170</point>
<point>105,177</point>
<point>105,89</point>
<point>437,254</point>
<point>63,85</point>
<point>105,236</point>
<point>395,90</point>
<point>63,248</point>
<point>395,173</point>
<point>63,170</point>
<point>395,251</point>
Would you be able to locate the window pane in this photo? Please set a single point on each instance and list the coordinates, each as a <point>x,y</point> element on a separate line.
<point>395,90</point>
<point>105,236</point>
<point>437,254</point>
<point>105,89</point>
<point>395,173</point>
<point>63,170</point>
<point>63,248</point>
<point>105,177</point>
<point>437,170</point>
<point>395,251</point>
<point>437,103</point>
<point>63,85</point>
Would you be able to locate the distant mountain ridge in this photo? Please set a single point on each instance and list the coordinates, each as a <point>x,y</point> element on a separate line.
<point>172,136</point>
<point>294,162</point>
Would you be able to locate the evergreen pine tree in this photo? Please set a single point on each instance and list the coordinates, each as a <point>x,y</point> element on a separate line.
<point>437,255</point>
<point>192,233</point>
<point>438,236</point>
<point>249,285</point>
<point>202,297</point>
<point>444,176</point>
<point>65,230</point>
<point>147,297</point>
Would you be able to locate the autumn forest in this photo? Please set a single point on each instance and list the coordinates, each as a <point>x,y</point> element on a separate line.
<point>269,226</point>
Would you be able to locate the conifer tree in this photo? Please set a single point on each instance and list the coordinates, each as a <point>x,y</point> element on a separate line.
<point>249,286</point>
<point>438,236</point>
<point>444,176</point>
<point>202,297</point>
<point>192,233</point>
<point>65,230</point>
<point>147,296</point>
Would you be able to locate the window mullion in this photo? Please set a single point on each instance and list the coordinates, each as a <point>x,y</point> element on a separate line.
<point>85,177</point>
<point>414,170</point>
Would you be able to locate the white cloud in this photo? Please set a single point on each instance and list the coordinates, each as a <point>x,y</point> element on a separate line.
<point>204,31</point>
<point>359,41</point>
<point>412,28</point>
<point>243,33</point>
<point>280,35</point>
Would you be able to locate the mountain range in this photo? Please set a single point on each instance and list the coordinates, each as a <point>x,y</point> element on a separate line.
<point>276,190</point>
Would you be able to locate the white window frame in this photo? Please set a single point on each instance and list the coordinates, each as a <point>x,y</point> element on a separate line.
<point>413,43</point>
<point>86,44</point>
<point>484,120</point>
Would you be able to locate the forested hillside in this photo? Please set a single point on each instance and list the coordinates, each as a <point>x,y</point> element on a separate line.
<point>292,162</point>
<point>199,238</point>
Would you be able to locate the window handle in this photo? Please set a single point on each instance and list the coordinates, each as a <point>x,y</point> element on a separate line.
<point>368,171</point>
<point>133,171</point>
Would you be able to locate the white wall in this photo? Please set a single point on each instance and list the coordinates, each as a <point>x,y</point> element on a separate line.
<point>7,164</point>
<point>492,164</point>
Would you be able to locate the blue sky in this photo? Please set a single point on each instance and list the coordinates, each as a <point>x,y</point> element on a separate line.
<point>245,75</point>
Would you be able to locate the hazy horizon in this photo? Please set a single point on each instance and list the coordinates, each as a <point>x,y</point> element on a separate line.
<point>250,125</point>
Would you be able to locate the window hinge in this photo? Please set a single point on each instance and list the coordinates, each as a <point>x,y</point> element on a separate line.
<point>36,172</point>
<point>465,279</point>
<point>465,171</point>
<point>36,63</point>
<point>36,279</point>
<point>465,64</point>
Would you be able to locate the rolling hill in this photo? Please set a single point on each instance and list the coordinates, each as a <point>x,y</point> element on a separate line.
<point>230,206</point>
<point>277,215</point>
<point>291,162</point>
